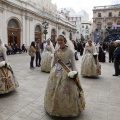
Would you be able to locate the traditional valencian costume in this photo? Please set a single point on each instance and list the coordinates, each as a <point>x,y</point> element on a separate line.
<point>8,80</point>
<point>47,56</point>
<point>64,96</point>
<point>90,64</point>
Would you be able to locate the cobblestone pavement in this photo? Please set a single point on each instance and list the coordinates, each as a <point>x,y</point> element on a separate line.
<point>26,102</point>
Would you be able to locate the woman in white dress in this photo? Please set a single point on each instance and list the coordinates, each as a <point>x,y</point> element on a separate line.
<point>90,64</point>
<point>62,96</point>
<point>8,80</point>
<point>47,56</point>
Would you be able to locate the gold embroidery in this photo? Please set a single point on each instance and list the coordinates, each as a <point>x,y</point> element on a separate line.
<point>8,84</point>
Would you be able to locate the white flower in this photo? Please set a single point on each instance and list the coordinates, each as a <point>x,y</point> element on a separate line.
<point>95,53</point>
<point>51,55</point>
<point>2,63</point>
<point>72,74</point>
<point>104,51</point>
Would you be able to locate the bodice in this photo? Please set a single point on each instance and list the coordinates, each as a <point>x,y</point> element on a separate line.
<point>89,50</point>
<point>48,48</point>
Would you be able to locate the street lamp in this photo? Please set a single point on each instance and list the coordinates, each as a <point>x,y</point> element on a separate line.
<point>70,34</point>
<point>45,26</point>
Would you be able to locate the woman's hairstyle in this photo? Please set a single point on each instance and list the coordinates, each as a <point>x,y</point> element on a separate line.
<point>33,43</point>
<point>62,36</point>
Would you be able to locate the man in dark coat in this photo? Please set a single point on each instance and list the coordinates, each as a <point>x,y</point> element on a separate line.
<point>81,48</point>
<point>116,56</point>
<point>111,49</point>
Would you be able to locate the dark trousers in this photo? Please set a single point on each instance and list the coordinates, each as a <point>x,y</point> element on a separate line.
<point>38,58</point>
<point>76,56</point>
<point>31,62</point>
<point>110,57</point>
<point>117,66</point>
<point>24,50</point>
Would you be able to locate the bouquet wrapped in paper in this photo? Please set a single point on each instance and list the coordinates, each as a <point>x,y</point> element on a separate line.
<point>3,64</point>
<point>73,74</point>
<point>95,55</point>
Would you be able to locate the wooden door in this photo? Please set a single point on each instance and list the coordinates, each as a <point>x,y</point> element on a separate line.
<point>38,36</point>
<point>14,36</point>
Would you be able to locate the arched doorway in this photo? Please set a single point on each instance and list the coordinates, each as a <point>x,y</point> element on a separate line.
<point>38,33</point>
<point>53,35</point>
<point>14,32</point>
<point>109,24</point>
<point>118,22</point>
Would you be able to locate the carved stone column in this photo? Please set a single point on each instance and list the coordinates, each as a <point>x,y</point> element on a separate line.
<point>1,22</point>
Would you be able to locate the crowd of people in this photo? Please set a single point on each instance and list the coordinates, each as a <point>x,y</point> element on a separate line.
<point>64,95</point>
<point>13,48</point>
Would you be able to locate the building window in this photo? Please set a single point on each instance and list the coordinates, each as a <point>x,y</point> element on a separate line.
<point>83,26</point>
<point>87,31</point>
<point>86,27</point>
<point>110,14</point>
<point>99,26</point>
<point>99,14</point>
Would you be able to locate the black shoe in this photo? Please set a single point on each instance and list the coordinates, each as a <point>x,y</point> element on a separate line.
<point>109,61</point>
<point>115,75</point>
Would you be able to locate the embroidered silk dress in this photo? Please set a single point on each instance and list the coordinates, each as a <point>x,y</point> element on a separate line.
<point>62,95</point>
<point>46,59</point>
<point>89,64</point>
<point>8,80</point>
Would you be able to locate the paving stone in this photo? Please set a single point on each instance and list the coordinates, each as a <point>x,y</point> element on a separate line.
<point>27,102</point>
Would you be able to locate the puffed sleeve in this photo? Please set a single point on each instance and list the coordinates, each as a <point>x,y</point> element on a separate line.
<point>72,59</point>
<point>4,54</point>
<point>54,60</point>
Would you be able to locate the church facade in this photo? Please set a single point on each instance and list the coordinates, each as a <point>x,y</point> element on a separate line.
<point>21,21</point>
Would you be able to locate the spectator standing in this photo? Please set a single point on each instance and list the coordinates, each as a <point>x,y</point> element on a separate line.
<point>38,56</point>
<point>116,56</point>
<point>111,49</point>
<point>32,52</point>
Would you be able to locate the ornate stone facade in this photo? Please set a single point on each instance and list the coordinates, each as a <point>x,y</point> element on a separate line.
<point>28,15</point>
<point>106,17</point>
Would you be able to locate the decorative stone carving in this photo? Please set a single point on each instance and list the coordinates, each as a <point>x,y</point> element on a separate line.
<point>1,9</point>
<point>59,27</point>
<point>28,18</point>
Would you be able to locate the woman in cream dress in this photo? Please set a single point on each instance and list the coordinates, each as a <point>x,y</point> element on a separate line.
<point>62,95</point>
<point>8,80</point>
<point>90,63</point>
<point>47,56</point>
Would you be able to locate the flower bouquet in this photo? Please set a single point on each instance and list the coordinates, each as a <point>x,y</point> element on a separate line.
<point>73,74</point>
<point>95,55</point>
<point>51,55</point>
<point>3,64</point>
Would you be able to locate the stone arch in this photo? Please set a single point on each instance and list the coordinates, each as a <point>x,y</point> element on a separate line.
<point>53,35</point>
<point>14,31</point>
<point>118,22</point>
<point>109,24</point>
<point>38,33</point>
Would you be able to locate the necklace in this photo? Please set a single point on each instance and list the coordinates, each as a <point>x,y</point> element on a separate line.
<point>63,47</point>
